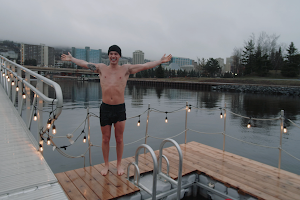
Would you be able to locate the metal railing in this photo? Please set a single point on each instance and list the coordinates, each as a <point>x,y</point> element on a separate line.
<point>18,82</point>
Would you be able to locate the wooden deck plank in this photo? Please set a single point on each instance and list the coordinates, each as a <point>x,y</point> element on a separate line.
<point>81,185</point>
<point>123,188</point>
<point>106,184</point>
<point>113,169</point>
<point>70,189</point>
<point>262,167</point>
<point>251,170</point>
<point>93,184</point>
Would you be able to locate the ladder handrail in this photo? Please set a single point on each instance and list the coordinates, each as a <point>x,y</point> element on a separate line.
<point>178,183</point>
<point>145,146</point>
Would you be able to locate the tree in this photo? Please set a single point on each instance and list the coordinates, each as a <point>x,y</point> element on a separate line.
<point>159,72</point>
<point>248,57</point>
<point>237,60</point>
<point>201,65</point>
<point>212,67</point>
<point>292,62</point>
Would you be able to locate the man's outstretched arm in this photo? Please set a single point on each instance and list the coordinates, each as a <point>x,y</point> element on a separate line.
<point>81,63</point>
<point>140,67</point>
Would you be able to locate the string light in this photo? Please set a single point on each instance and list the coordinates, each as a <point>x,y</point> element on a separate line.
<point>139,122</point>
<point>49,123</point>
<point>48,141</point>
<point>84,139</point>
<point>3,74</point>
<point>17,88</point>
<point>6,76</point>
<point>189,110</point>
<point>12,82</point>
<point>41,147</point>
<point>166,119</point>
<point>34,116</point>
<point>221,115</point>
<point>23,95</point>
<point>53,129</point>
<point>8,79</point>
<point>249,123</point>
<point>284,129</point>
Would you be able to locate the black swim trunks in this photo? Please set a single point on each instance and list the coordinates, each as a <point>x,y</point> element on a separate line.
<point>110,114</point>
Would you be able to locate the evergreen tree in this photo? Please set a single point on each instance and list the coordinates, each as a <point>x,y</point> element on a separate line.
<point>248,57</point>
<point>159,72</point>
<point>292,62</point>
<point>212,67</point>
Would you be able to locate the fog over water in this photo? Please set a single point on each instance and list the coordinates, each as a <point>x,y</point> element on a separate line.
<point>204,117</point>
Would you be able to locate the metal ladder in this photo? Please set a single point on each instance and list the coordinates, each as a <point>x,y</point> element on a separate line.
<point>158,172</point>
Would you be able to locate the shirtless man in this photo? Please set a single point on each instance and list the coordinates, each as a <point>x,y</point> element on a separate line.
<point>113,79</point>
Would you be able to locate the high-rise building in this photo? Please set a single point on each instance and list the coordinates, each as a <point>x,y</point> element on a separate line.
<point>43,55</point>
<point>138,57</point>
<point>87,54</point>
<point>181,61</point>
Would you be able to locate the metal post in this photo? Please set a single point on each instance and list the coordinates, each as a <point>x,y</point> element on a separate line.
<point>146,133</point>
<point>89,134</point>
<point>186,112</point>
<point>39,111</point>
<point>224,132</point>
<point>27,100</point>
<point>20,101</point>
<point>281,131</point>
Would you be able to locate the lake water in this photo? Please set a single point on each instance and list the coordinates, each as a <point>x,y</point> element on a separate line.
<point>204,117</point>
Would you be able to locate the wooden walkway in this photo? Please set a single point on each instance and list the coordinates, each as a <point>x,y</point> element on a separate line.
<point>24,173</point>
<point>247,176</point>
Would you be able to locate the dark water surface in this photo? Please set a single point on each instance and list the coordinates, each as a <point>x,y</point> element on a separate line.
<point>79,95</point>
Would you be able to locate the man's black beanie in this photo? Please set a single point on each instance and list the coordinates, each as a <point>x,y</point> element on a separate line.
<point>115,48</point>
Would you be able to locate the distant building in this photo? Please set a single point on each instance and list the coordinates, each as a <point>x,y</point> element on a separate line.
<point>229,64</point>
<point>43,55</point>
<point>138,57</point>
<point>10,54</point>
<point>87,54</point>
<point>181,61</point>
<point>221,64</point>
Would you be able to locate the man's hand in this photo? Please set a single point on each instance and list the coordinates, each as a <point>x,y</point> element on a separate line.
<point>165,59</point>
<point>65,57</point>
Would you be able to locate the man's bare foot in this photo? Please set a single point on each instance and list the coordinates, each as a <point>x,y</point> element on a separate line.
<point>120,170</point>
<point>104,171</point>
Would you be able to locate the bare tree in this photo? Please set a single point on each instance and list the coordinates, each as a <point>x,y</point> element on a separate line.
<point>237,59</point>
<point>201,64</point>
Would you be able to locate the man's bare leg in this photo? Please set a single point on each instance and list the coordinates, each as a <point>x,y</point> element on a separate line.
<point>106,133</point>
<point>119,130</point>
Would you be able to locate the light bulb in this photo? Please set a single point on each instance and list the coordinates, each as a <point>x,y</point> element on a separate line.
<point>221,115</point>
<point>3,74</point>
<point>12,82</point>
<point>249,125</point>
<point>23,95</point>
<point>34,117</point>
<point>49,123</point>
<point>6,76</point>
<point>166,120</point>
<point>48,141</point>
<point>17,88</point>
<point>53,129</point>
<point>41,147</point>
<point>139,123</point>
<point>284,129</point>
<point>84,139</point>
<point>8,79</point>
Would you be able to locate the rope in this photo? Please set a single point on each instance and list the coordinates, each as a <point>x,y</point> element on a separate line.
<point>155,110</point>
<point>67,155</point>
<point>168,137</point>
<point>205,132</point>
<point>252,117</point>
<point>251,142</point>
<point>293,123</point>
<point>124,144</point>
<point>290,155</point>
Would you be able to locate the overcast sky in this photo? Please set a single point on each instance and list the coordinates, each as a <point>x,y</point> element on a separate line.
<point>186,28</point>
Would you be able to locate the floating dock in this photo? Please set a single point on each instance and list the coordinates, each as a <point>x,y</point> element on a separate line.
<point>246,176</point>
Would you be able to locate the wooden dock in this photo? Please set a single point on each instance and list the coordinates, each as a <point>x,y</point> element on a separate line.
<point>247,176</point>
